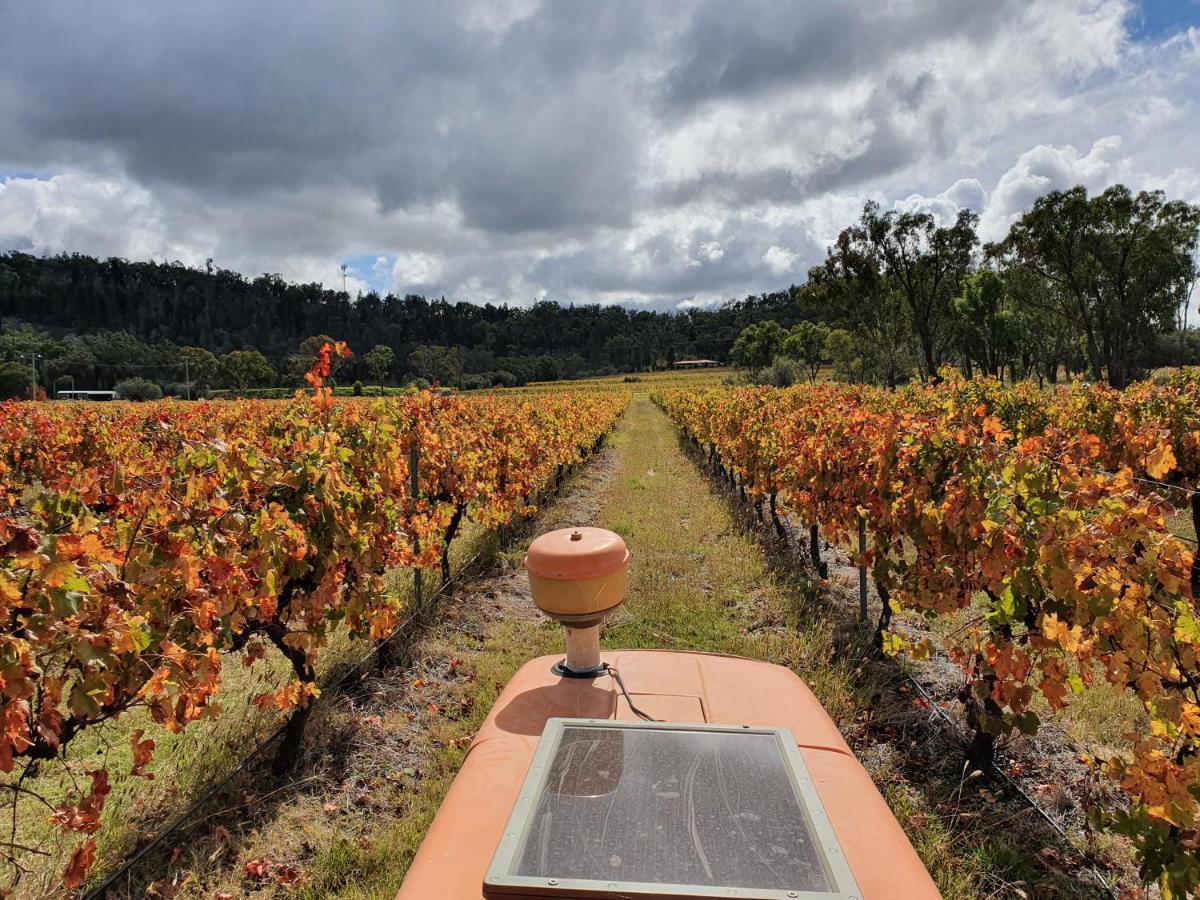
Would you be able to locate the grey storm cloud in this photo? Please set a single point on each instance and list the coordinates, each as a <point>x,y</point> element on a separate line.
<point>772,45</point>
<point>521,129</point>
<point>509,150</point>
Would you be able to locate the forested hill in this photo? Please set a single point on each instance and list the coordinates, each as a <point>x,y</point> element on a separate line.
<point>223,311</point>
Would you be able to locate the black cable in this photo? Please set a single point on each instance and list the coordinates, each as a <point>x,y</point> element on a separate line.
<point>612,670</point>
<point>127,866</point>
<point>329,690</point>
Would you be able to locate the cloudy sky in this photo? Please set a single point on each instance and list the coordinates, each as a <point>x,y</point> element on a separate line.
<point>640,152</point>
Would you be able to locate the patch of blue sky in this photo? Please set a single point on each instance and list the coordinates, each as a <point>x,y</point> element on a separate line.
<point>373,269</point>
<point>1159,19</point>
<point>14,174</point>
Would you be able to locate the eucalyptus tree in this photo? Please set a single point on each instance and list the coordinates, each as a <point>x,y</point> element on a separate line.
<point>987,326</point>
<point>922,261</point>
<point>758,344</point>
<point>851,291</point>
<point>379,360</point>
<point>1116,266</point>
<point>806,344</point>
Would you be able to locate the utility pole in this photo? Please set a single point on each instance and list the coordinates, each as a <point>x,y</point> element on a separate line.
<point>343,278</point>
<point>187,378</point>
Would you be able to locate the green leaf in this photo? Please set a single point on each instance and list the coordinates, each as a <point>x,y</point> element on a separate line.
<point>82,704</point>
<point>140,636</point>
<point>65,603</point>
<point>1027,723</point>
<point>77,583</point>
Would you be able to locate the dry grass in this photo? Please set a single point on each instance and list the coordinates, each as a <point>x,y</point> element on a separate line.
<point>381,756</point>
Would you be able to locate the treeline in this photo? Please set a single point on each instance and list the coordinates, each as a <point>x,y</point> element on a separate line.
<point>1092,286</point>
<point>100,321</point>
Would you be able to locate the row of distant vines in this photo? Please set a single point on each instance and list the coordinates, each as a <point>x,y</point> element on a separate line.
<point>1041,519</point>
<point>144,545</point>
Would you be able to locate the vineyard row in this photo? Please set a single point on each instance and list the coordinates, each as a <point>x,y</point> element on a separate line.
<point>142,546</point>
<point>1021,512</point>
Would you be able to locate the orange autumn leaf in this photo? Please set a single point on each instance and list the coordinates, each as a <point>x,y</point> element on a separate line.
<point>81,861</point>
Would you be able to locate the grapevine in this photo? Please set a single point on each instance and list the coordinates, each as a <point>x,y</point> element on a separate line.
<point>1042,513</point>
<point>143,545</point>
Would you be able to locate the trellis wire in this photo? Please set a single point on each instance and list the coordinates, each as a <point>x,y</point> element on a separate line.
<point>127,867</point>
<point>950,723</point>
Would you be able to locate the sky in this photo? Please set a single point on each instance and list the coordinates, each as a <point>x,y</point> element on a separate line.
<point>658,154</point>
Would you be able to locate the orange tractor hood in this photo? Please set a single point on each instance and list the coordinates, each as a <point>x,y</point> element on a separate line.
<point>676,687</point>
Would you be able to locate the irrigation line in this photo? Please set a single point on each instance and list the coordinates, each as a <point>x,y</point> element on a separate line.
<point>328,690</point>
<point>128,865</point>
<point>1007,779</point>
<point>1098,470</point>
<point>1191,492</point>
<point>1058,827</point>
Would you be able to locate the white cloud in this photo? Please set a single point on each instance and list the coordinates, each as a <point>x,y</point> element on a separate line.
<point>381,270</point>
<point>619,153</point>
<point>499,15</point>
<point>709,251</point>
<point>415,270</point>
<point>779,260</point>
<point>103,216</point>
<point>1047,168</point>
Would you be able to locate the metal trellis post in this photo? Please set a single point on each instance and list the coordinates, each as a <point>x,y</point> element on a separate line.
<point>862,569</point>
<point>414,480</point>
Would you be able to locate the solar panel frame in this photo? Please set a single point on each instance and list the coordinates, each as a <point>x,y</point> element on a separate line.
<point>502,879</point>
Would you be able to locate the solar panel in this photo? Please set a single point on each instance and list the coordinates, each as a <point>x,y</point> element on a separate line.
<point>618,809</point>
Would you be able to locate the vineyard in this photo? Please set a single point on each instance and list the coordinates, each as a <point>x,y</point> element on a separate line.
<point>1053,521</point>
<point>171,567</point>
<point>146,549</point>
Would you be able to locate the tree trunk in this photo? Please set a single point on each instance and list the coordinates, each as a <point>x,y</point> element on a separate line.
<point>293,734</point>
<point>451,531</point>
<point>1196,557</point>
<point>885,615</point>
<point>981,751</point>
<point>814,552</point>
<point>779,527</point>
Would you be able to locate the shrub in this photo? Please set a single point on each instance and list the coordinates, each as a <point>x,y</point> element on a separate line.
<point>14,381</point>
<point>138,389</point>
<point>475,382</point>
<point>631,379</point>
<point>358,389</point>
<point>783,372</point>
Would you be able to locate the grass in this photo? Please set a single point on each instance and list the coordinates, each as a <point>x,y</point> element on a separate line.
<point>700,582</point>
<point>185,763</point>
<point>380,756</point>
<point>1181,525</point>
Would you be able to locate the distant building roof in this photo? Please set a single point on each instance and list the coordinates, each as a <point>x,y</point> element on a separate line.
<point>697,362</point>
